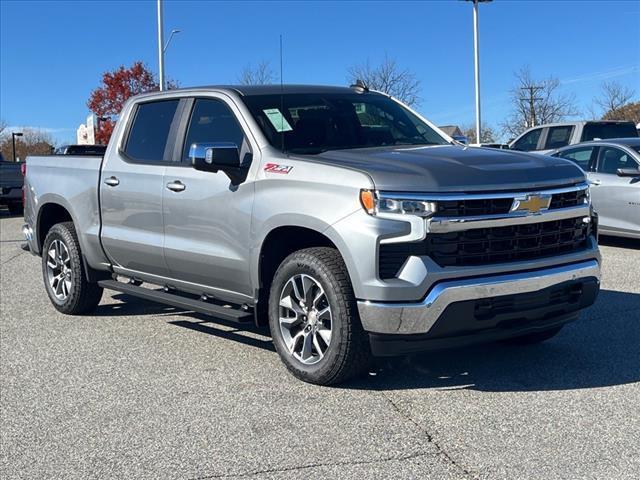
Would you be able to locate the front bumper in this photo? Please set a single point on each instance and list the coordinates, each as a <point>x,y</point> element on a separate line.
<point>420,317</point>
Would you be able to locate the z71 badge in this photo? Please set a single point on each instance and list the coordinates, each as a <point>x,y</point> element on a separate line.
<point>277,168</point>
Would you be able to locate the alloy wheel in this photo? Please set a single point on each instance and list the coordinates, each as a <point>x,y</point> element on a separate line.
<point>305,319</point>
<point>59,272</point>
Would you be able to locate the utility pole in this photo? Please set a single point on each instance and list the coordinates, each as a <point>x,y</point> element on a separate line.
<point>13,141</point>
<point>530,100</point>
<point>160,46</point>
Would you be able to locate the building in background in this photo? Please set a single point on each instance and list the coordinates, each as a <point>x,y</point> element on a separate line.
<point>86,133</point>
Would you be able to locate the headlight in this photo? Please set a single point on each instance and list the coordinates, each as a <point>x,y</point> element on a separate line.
<point>392,204</point>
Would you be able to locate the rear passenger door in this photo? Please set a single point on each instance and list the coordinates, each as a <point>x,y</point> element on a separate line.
<point>207,218</point>
<point>131,191</point>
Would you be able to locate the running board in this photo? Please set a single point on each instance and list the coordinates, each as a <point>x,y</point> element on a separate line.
<point>200,306</point>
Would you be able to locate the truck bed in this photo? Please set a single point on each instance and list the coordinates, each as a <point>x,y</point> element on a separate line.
<point>72,182</point>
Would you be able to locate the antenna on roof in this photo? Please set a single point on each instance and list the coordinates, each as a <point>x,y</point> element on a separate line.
<point>360,85</point>
<point>281,99</point>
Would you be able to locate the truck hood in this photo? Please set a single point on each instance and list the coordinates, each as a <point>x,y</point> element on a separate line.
<point>452,168</point>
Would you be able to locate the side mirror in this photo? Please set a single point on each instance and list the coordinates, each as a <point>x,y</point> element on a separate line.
<point>211,157</point>
<point>224,156</point>
<point>628,172</point>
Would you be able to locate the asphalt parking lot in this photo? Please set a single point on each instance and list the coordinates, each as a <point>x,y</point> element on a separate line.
<point>140,390</point>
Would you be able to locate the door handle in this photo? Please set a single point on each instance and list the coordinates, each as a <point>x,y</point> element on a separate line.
<point>112,181</point>
<point>595,183</point>
<point>176,186</point>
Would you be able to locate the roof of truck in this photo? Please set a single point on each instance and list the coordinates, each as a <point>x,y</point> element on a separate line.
<point>250,90</point>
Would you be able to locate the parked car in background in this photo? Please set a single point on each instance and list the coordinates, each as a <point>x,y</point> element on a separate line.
<point>11,181</point>
<point>613,169</point>
<point>546,138</point>
<point>97,150</point>
<point>499,146</point>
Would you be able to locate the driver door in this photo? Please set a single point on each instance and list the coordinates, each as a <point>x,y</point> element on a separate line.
<point>207,218</point>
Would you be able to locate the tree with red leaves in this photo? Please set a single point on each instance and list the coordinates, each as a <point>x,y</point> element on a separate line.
<point>107,100</point>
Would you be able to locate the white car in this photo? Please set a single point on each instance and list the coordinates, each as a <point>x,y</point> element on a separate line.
<point>613,170</point>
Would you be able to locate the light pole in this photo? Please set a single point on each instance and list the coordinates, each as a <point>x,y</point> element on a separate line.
<point>173,32</point>
<point>476,56</point>
<point>160,46</point>
<point>13,141</point>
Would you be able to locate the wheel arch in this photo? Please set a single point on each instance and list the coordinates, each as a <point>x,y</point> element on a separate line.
<point>50,214</point>
<point>277,244</point>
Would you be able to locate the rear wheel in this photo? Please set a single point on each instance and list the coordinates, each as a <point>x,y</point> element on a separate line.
<point>314,318</point>
<point>533,338</point>
<point>63,272</point>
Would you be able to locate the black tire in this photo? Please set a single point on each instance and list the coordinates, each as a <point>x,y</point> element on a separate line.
<point>15,208</point>
<point>348,353</point>
<point>82,297</point>
<point>533,338</point>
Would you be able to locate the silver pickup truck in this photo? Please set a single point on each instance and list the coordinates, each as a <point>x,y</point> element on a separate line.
<point>339,216</point>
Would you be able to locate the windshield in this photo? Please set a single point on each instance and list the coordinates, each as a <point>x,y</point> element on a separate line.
<point>316,122</point>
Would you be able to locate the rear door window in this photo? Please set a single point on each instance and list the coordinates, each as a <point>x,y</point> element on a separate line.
<point>558,137</point>
<point>579,156</point>
<point>529,141</point>
<point>149,131</point>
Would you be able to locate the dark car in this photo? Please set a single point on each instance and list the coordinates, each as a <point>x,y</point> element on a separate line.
<point>11,181</point>
<point>97,150</point>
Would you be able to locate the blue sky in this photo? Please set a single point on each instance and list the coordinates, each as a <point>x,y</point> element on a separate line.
<point>53,53</point>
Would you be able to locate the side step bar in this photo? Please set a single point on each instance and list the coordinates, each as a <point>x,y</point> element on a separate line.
<point>229,314</point>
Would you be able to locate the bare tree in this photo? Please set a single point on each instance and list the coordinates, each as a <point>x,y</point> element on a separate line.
<point>536,102</point>
<point>32,142</point>
<point>3,125</point>
<point>487,135</point>
<point>389,78</point>
<point>260,75</point>
<point>612,99</point>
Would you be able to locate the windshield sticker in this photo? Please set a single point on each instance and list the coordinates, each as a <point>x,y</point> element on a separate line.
<point>277,120</point>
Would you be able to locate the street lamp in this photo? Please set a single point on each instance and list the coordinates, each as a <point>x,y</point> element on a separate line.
<point>173,32</point>
<point>162,47</point>
<point>13,141</point>
<point>476,56</point>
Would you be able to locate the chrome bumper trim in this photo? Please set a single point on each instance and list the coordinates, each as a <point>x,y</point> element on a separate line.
<point>456,224</point>
<point>435,197</point>
<point>419,317</point>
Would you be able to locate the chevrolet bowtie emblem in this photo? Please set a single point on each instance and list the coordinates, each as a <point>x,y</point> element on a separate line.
<point>531,203</point>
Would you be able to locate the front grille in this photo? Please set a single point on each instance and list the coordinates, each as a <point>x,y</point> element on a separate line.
<point>568,199</point>
<point>485,246</point>
<point>502,206</point>
<point>468,208</point>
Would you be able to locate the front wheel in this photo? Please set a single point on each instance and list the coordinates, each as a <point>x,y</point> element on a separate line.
<point>63,272</point>
<point>314,320</point>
